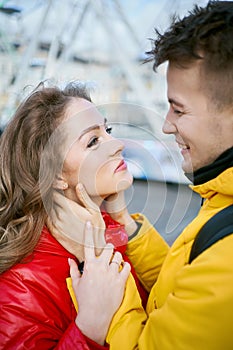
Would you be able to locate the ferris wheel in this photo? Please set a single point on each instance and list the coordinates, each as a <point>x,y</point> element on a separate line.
<point>42,39</point>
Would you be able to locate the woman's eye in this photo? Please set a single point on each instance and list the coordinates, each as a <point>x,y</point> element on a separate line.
<point>93,142</point>
<point>108,129</point>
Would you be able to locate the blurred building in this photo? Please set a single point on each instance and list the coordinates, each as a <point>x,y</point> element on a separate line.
<point>103,42</point>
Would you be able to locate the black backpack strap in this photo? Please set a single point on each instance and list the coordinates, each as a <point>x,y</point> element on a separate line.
<point>218,227</point>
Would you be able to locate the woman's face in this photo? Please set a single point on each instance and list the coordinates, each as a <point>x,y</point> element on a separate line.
<point>92,156</point>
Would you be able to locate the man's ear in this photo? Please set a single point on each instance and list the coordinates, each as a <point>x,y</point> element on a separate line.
<point>60,183</point>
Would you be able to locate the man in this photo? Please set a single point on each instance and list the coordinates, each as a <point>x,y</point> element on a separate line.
<point>190,304</point>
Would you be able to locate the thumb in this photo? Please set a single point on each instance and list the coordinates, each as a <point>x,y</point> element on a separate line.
<point>84,198</point>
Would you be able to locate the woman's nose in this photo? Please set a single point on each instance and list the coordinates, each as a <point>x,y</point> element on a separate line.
<point>115,146</point>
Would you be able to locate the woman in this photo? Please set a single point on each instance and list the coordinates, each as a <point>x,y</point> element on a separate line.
<point>56,140</point>
<point>37,311</point>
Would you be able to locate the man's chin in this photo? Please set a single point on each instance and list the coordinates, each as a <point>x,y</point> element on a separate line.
<point>187,168</point>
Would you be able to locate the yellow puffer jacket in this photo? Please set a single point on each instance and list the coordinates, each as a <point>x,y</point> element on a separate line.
<point>190,306</point>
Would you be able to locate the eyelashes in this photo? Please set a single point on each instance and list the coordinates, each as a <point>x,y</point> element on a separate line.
<point>108,129</point>
<point>179,113</point>
<point>94,140</point>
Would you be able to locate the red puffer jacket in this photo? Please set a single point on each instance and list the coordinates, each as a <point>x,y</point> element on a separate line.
<point>36,311</point>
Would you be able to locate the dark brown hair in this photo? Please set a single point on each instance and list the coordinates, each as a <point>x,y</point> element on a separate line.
<point>204,35</point>
<point>22,213</point>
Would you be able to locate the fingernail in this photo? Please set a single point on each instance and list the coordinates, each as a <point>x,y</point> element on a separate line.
<point>80,186</point>
<point>110,246</point>
<point>69,260</point>
<point>88,224</point>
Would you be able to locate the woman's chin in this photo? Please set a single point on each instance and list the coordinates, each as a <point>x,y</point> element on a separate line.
<point>124,184</point>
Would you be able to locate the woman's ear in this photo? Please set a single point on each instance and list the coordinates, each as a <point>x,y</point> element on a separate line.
<point>60,183</point>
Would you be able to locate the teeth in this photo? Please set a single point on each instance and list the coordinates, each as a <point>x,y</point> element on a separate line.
<point>183,146</point>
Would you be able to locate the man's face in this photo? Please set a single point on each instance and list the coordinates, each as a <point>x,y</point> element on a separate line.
<point>201,132</point>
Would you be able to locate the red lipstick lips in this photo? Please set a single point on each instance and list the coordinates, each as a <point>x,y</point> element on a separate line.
<point>122,166</point>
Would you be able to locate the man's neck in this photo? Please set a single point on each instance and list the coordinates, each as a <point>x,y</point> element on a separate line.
<point>209,172</point>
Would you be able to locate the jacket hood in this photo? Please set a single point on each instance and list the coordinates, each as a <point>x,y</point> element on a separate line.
<point>222,184</point>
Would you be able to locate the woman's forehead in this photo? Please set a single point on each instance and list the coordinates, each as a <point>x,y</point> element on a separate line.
<point>82,114</point>
<point>80,118</point>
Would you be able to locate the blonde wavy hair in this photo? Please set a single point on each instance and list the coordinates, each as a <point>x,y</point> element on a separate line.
<point>22,184</point>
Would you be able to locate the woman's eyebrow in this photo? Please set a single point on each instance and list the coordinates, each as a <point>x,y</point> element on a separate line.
<point>93,127</point>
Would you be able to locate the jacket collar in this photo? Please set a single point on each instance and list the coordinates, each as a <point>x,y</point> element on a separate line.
<point>48,244</point>
<point>211,171</point>
<point>222,184</point>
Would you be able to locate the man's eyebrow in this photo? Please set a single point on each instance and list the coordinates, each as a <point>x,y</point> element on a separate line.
<point>172,101</point>
<point>93,127</point>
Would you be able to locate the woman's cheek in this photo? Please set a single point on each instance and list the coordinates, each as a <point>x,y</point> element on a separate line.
<point>89,175</point>
<point>95,171</point>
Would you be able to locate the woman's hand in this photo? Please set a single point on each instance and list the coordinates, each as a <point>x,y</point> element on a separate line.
<point>99,291</point>
<point>68,219</point>
<point>115,205</point>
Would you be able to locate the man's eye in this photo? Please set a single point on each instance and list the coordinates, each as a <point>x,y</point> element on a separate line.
<point>176,111</point>
<point>93,142</point>
<point>108,129</point>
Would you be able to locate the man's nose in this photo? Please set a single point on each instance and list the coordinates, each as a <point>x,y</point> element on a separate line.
<point>169,126</point>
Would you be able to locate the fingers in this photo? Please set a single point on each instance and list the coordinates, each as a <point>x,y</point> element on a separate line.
<point>116,260</point>
<point>125,271</point>
<point>74,272</point>
<point>59,199</point>
<point>110,260</point>
<point>84,198</point>
<point>66,211</point>
<point>117,264</point>
<point>89,247</point>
